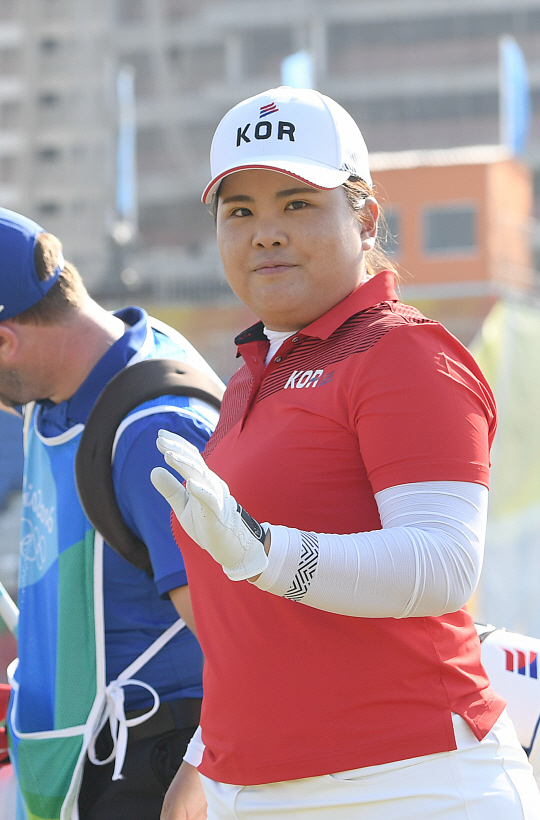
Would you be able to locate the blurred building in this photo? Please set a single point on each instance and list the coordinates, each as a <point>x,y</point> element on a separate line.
<point>57,121</point>
<point>458,229</point>
<point>416,74</point>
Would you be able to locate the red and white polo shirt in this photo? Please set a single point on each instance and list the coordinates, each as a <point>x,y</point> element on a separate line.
<point>371,395</point>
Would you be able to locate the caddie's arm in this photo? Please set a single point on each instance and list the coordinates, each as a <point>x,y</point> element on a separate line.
<point>145,511</point>
<point>182,603</point>
<point>185,798</point>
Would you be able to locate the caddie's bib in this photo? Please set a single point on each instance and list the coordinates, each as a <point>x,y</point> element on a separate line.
<point>60,699</point>
<point>59,681</point>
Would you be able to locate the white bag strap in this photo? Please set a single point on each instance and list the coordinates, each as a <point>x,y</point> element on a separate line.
<point>28,412</point>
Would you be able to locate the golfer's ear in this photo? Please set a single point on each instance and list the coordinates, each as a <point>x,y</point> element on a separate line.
<point>370,214</point>
<point>9,342</point>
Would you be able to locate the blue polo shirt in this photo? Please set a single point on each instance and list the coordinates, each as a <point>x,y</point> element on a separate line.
<point>137,608</point>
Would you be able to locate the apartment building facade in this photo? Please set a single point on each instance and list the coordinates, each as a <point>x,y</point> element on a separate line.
<point>416,74</point>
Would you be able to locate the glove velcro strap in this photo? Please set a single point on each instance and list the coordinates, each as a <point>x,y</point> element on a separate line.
<point>253,526</point>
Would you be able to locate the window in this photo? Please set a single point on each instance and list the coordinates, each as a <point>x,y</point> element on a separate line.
<point>142,64</point>
<point>386,33</point>
<point>198,139</point>
<point>48,154</point>
<point>129,11</point>
<point>9,10</point>
<point>424,108</point>
<point>450,229</point>
<point>49,45</point>
<point>49,208</point>
<point>10,114</point>
<point>175,223</point>
<point>152,154</point>
<point>10,60</point>
<point>48,99</point>
<point>177,10</point>
<point>9,169</point>
<point>54,54</point>
<point>265,48</point>
<point>192,67</point>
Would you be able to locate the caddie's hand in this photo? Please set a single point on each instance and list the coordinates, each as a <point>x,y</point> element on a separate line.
<point>185,798</point>
<point>207,511</point>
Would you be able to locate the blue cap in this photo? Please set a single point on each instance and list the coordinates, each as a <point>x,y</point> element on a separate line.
<point>20,287</point>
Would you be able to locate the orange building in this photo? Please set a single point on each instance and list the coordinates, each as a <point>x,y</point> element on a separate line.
<point>458,229</point>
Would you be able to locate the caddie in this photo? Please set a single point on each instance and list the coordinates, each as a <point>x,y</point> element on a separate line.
<point>107,688</point>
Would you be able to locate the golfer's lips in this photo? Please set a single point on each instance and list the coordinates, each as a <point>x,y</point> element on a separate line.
<point>273,267</point>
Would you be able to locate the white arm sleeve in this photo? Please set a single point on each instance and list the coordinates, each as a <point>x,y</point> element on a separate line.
<point>425,561</point>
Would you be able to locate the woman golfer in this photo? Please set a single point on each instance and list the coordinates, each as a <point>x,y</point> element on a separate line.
<point>343,677</point>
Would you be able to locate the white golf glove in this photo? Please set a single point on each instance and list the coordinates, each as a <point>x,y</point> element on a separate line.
<point>207,511</point>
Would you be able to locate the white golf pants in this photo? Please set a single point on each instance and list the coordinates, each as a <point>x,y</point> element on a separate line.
<point>487,780</point>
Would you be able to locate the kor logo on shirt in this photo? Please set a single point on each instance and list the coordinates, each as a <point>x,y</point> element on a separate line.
<point>308,378</point>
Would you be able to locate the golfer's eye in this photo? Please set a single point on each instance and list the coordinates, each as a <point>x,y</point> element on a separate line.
<point>296,205</point>
<point>241,212</point>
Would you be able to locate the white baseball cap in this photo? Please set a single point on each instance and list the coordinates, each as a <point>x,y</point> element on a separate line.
<point>296,131</point>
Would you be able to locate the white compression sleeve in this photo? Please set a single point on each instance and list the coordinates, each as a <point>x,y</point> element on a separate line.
<point>425,561</point>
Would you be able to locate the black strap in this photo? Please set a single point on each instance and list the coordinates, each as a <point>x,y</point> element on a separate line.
<point>131,387</point>
<point>487,630</point>
<point>170,715</point>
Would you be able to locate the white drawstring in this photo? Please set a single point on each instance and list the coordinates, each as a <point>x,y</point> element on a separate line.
<point>114,712</point>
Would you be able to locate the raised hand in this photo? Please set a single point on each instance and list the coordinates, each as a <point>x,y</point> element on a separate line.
<point>207,511</point>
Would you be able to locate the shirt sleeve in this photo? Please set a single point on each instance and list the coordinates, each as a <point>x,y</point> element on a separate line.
<point>422,410</point>
<point>144,510</point>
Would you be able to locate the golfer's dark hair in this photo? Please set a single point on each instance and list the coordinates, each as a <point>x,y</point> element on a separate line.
<point>66,295</point>
<point>357,191</point>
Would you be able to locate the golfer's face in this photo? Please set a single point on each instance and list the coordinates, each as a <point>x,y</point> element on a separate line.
<point>290,251</point>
